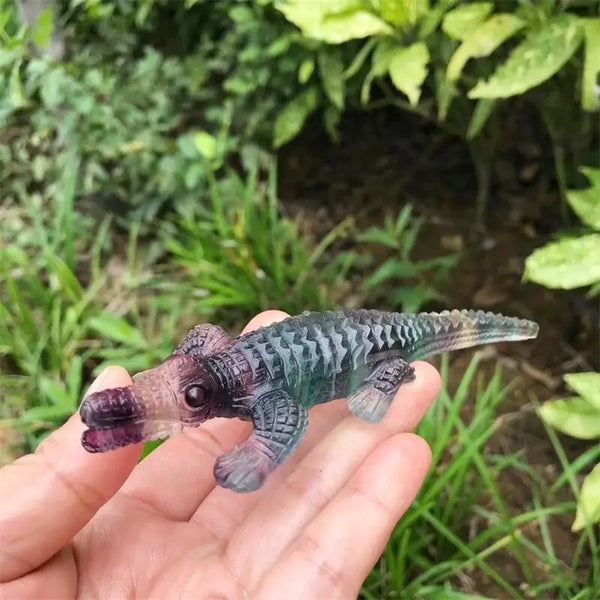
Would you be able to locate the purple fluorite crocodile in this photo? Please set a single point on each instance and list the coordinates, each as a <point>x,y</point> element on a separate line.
<point>273,375</point>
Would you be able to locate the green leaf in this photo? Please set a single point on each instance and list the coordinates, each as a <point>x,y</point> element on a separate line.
<point>331,69</point>
<point>339,28</point>
<point>50,414</point>
<point>64,276</point>
<point>15,88</point>
<point>117,329</point>
<point>535,60</point>
<point>566,264</point>
<point>590,82</point>
<point>331,120</point>
<point>573,416</point>
<point>412,297</point>
<point>334,23</point>
<point>464,19</point>
<point>52,90</point>
<point>438,592</point>
<point>445,92</point>
<point>586,203</point>
<point>290,120</point>
<point>403,12</point>
<point>408,69</point>
<point>587,385</point>
<point>55,392</point>
<point>359,58</point>
<point>482,42</point>
<point>434,16</point>
<point>389,269</point>
<point>305,70</point>
<point>376,235</point>
<point>206,144</point>
<point>588,507</point>
<point>43,28</point>
<point>380,61</point>
<point>9,56</point>
<point>480,117</point>
<point>74,375</point>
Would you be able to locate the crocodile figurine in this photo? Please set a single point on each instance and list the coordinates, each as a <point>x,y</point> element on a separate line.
<point>273,375</point>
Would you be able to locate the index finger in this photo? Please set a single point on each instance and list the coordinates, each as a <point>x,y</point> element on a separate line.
<point>48,496</point>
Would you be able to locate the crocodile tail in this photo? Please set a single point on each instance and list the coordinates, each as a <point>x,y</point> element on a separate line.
<point>452,330</point>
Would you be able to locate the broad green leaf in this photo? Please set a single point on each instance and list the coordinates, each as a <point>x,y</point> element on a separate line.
<point>535,60</point>
<point>587,385</point>
<point>566,264</point>
<point>573,416</point>
<point>308,16</point>
<point>331,69</point>
<point>433,17</point>
<point>586,203</point>
<point>333,22</point>
<point>464,19</point>
<point>480,117</point>
<point>117,329</point>
<point>339,28</point>
<point>482,41</point>
<point>403,12</point>
<point>9,56</point>
<point>588,507</point>
<point>290,120</point>
<point>408,69</point>
<point>43,28</point>
<point>206,144</point>
<point>52,90</point>
<point>590,82</point>
<point>305,70</point>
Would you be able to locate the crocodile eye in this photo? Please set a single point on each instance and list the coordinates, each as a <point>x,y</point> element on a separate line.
<point>196,396</point>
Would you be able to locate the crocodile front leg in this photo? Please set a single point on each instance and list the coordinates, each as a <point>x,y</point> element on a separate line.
<point>203,340</point>
<point>279,423</point>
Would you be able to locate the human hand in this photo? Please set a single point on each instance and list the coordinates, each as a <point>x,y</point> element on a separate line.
<point>74,524</point>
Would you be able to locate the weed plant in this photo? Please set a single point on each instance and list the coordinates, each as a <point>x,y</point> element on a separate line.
<point>238,253</point>
<point>461,526</point>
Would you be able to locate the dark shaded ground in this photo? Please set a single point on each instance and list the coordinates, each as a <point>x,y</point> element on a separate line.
<point>387,159</point>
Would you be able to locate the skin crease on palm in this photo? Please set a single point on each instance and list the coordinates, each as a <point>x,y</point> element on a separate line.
<point>80,525</point>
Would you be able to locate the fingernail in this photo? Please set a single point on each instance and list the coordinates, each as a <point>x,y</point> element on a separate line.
<point>99,382</point>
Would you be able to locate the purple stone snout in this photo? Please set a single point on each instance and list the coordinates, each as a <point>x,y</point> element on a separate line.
<point>114,417</point>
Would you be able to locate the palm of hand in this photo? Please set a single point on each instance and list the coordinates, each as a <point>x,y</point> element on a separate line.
<point>169,532</point>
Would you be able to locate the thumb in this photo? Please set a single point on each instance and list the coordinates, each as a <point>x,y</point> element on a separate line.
<point>48,496</point>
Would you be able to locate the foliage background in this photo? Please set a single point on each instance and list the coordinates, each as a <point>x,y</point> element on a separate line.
<point>140,150</point>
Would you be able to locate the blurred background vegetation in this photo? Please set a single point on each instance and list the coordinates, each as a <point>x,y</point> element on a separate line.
<point>167,162</point>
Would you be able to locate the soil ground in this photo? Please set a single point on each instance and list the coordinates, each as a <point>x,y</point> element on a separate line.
<point>388,159</point>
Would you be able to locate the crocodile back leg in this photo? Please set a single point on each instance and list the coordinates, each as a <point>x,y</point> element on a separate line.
<point>372,401</point>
